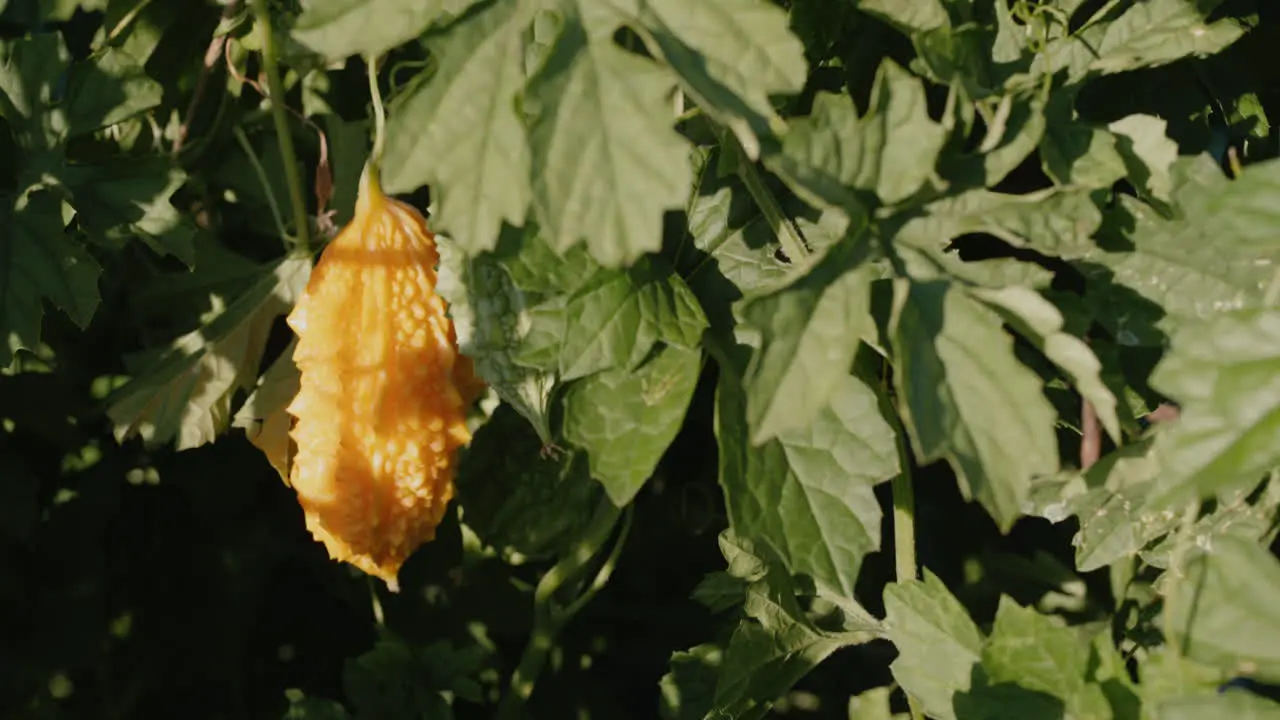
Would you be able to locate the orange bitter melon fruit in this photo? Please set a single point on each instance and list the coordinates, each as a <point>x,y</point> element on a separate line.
<point>382,402</point>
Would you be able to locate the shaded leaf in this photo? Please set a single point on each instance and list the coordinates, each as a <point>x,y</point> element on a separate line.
<point>1148,153</point>
<point>111,87</point>
<point>1036,653</point>
<point>127,199</point>
<point>39,262</point>
<point>515,495</point>
<point>688,689</point>
<point>776,645</point>
<point>1166,260</point>
<point>492,320</point>
<point>908,15</point>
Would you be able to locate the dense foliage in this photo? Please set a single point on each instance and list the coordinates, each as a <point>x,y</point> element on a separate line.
<point>845,358</point>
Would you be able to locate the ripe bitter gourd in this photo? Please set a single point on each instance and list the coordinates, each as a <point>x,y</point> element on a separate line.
<point>383,394</point>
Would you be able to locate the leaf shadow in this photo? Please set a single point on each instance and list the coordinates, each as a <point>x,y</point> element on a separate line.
<point>985,700</point>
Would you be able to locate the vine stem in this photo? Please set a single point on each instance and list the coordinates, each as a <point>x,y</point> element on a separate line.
<point>275,89</point>
<point>548,619</point>
<point>904,522</point>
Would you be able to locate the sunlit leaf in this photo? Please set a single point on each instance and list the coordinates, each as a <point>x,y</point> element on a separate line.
<point>966,398</point>
<point>609,162</point>
<point>889,151</point>
<point>338,28</point>
<point>185,394</point>
<point>938,645</point>
<point>460,132</point>
<point>731,55</point>
<point>808,493</point>
<point>625,419</point>
<point>809,331</point>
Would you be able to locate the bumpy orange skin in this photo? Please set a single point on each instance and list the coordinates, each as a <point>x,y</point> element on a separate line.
<point>384,392</point>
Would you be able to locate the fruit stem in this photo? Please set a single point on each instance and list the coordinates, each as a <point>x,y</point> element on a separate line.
<point>275,89</point>
<point>379,112</point>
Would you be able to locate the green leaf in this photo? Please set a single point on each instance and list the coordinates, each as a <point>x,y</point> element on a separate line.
<point>731,56</point>
<point>1036,319</point>
<point>777,645</point>
<point>938,645</point>
<point>1169,676</point>
<point>1223,612</point>
<point>38,262</point>
<point>492,320</point>
<point>1231,705</point>
<point>688,690</point>
<point>112,87</point>
<point>339,28</point>
<point>1078,153</point>
<point>909,16</point>
<point>1113,522</point>
<point>186,393</point>
<point>734,249</point>
<point>809,332</point>
<point>1147,34</point>
<point>871,705</point>
<point>1036,653</point>
<point>30,72</point>
<point>313,708</point>
<point>762,663</point>
<point>1148,153</point>
<point>808,493</point>
<point>1234,515</point>
<point>1222,373</point>
<point>125,199</point>
<point>264,417</point>
<point>609,162</point>
<point>1166,260</point>
<point>539,271</point>
<point>459,132</point>
<point>625,419</point>
<point>1157,32</point>
<point>515,495</point>
<point>618,315</point>
<point>966,398</point>
<point>395,680</point>
<point>890,150</point>
<point>1058,222</point>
